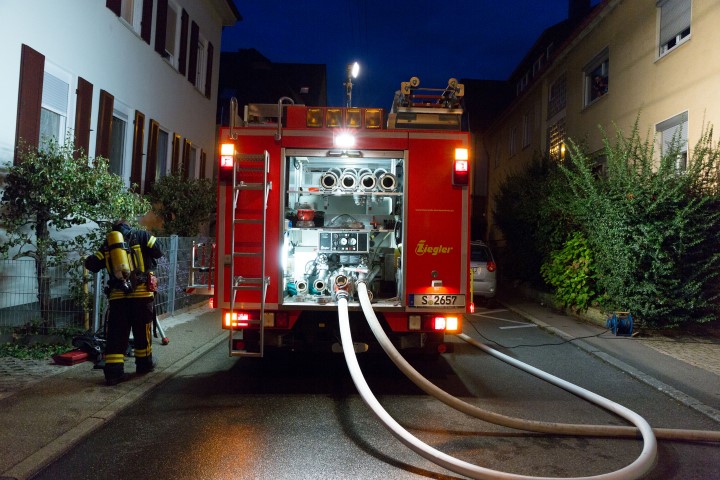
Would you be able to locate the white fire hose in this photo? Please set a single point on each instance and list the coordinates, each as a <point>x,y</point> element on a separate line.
<point>637,469</point>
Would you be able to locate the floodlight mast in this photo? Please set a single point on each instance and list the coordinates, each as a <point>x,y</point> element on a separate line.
<point>352,72</point>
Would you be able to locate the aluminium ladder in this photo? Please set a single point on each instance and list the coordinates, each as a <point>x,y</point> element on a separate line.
<point>251,190</point>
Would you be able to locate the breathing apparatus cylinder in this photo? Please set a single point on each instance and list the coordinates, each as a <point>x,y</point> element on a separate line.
<point>119,259</point>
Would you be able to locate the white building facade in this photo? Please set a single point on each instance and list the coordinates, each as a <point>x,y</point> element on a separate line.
<point>134,81</point>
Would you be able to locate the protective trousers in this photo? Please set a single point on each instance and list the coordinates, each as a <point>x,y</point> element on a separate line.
<point>126,314</point>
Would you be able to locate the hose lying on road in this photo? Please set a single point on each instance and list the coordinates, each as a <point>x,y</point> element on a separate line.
<point>512,422</point>
<point>638,468</point>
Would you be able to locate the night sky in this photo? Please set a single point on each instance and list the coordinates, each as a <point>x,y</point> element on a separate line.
<point>394,40</point>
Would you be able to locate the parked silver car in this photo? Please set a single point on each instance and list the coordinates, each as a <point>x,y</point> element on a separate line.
<point>484,268</point>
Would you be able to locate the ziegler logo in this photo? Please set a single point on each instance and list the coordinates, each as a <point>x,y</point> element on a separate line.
<point>422,249</point>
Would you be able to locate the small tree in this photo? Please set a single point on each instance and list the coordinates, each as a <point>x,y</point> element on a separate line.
<point>51,190</point>
<point>183,204</point>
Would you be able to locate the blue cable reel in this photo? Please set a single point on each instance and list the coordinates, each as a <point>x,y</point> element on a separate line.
<point>621,324</point>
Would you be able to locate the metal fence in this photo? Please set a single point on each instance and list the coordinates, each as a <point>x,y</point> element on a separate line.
<point>19,305</point>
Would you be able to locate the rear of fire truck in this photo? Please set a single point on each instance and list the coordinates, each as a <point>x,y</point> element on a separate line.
<point>316,199</point>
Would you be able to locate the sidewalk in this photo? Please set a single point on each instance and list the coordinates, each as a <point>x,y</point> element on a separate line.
<point>687,368</point>
<point>46,409</point>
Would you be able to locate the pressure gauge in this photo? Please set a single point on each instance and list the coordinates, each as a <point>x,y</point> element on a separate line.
<point>353,241</point>
<point>343,241</point>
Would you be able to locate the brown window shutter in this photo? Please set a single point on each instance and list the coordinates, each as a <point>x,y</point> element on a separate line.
<point>182,54</point>
<point>146,21</point>
<point>192,66</point>
<point>152,153</point>
<point>176,154</point>
<point>186,159</point>
<point>203,163</point>
<point>104,125</point>
<point>208,71</point>
<point>32,69</point>
<point>115,6</point>
<point>161,26</point>
<point>137,152</point>
<point>83,111</point>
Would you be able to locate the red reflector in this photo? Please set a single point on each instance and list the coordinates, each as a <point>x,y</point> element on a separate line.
<point>439,323</point>
<point>442,348</point>
<point>211,303</point>
<point>226,161</point>
<point>461,166</point>
<point>491,266</point>
<point>460,173</point>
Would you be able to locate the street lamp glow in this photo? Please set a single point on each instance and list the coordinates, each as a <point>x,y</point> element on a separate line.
<point>352,72</point>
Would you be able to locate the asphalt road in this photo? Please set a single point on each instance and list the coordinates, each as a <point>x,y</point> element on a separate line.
<point>300,417</point>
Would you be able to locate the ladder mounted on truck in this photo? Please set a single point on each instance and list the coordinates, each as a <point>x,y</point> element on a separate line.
<point>427,108</point>
<point>251,190</point>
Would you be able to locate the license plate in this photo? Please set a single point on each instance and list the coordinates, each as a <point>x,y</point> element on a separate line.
<point>436,300</point>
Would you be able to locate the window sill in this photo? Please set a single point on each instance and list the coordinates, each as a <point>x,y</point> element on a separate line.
<point>674,48</point>
<point>596,101</point>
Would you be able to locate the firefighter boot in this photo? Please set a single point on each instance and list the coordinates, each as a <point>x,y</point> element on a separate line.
<point>114,369</point>
<point>145,365</point>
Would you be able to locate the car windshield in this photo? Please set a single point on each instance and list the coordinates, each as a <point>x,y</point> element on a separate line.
<point>479,254</point>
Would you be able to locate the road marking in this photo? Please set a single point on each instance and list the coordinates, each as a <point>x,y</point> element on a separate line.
<point>526,325</point>
<point>498,310</point>
<point>501,319</point>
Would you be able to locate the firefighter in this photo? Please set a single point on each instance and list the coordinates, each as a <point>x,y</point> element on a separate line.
<point>130,255</point>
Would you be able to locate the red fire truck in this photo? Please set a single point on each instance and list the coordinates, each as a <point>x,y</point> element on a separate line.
<point>311,197</point>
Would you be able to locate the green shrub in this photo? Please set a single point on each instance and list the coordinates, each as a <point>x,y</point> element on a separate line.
<point>653,230</point>
<point>570,272</point>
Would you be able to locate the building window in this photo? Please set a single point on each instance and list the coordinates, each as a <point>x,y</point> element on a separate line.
<point>674,23</point>
<point>163,144</point>
<point>513,140</point>
<point>599,166</point>
<point>201,74</point>
<point>129,14</point>
<point>556,141</point>
<point>171,33</point>
<point>557,96</point>
<point>527,129</point>
<point>193,162</point>
<point>54,105</point>
<point>118,134</point>
<point>136,13</point>
<point>523,83</point>
<point>674,139</point>
<point>596,78</point>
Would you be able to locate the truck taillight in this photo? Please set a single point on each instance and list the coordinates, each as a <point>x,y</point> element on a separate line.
<point>237,319</point>
<point>461,167</point>
<point>227,155</point>
<point>445,323</point>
